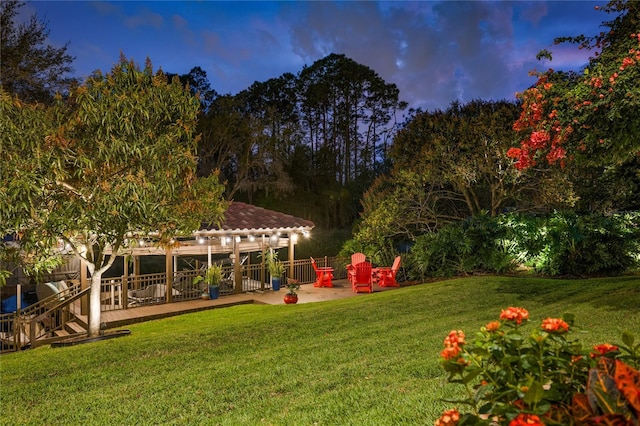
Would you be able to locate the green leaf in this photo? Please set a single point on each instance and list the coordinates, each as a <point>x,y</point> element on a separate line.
<point>534,394</point>
<point>472,374</point>
<point>628,338</point>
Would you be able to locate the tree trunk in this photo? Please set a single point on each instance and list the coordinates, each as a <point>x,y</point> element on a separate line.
<point>94,304</point>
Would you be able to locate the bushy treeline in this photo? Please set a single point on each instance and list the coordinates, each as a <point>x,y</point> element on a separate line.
<point>557,244</point>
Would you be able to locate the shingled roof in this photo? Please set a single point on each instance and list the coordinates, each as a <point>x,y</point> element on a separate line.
<point>243,218</point>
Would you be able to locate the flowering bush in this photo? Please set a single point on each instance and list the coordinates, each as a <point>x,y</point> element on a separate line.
<point>540,378</point>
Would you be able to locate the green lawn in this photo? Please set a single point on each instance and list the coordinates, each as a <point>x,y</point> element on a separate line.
<point>370,360</point>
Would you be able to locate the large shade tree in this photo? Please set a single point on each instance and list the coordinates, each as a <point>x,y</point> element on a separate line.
<point>113,162</point>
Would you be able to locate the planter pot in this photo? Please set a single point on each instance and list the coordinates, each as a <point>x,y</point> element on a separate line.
<point>214,291</point>
<point>205,296</point>
<point>275,283</point>
<point>290,298</point>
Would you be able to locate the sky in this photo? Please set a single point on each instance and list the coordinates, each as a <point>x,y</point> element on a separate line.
<point>436,52</point>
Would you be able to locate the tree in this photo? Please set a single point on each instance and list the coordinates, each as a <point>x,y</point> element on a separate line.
<point>120,165</point>
<point>199,85</point>
<point>450,165</point>
<point>592,116</point>
<point>31,69</point>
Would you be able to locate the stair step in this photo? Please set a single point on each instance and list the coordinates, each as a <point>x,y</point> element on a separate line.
<point>74,327</point>
<point>61,333</point>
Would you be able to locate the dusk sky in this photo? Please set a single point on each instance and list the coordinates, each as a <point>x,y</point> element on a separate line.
<point>435,52</point>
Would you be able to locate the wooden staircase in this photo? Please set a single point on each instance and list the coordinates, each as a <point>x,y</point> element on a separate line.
<point>53,319</point>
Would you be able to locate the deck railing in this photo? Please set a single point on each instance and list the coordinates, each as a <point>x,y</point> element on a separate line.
<point>43,322</point>
<point>46,320</point>
<point>140,290</point>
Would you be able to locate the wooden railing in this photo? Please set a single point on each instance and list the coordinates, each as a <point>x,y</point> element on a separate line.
<point>60,320</point>
<point>140,290</point>
<point>46,321</point>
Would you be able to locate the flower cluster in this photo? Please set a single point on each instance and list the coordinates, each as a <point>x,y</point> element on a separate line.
<point>448,418</point>
<point>515,379</point>
<point>514,314</point>
<point>555,325</point>
<point>453,345</point>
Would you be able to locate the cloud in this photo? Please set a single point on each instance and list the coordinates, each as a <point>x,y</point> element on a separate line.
<point>434,52</point>
<point>145,18</point>
<point>534,12</point>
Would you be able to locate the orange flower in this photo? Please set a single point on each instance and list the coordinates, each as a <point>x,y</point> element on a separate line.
<point>455,338</point>
<point>448,418</point>
<point>514,314</point>
<point>526,420</point>
<point>602,349</point>
<point>555,325</point>
<point>493,326</point>
<point>450,352</point>
<point>452,344</point>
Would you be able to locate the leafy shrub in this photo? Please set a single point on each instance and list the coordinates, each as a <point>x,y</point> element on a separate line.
<point>566,243</point>
<point>475,244</point>
<point>563,243</point>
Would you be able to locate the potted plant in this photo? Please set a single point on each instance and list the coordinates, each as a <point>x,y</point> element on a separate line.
<point>276,269</point>
<point>291,296</point>
<point>212,278</point>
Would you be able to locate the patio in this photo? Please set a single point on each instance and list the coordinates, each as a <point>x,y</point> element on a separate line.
<point>307,294</point>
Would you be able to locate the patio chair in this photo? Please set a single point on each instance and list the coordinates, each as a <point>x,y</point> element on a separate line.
<point>362,281</point>
<point>152,293</point>
<point>387,276</point>
<point>355,259</point>
<point>324,275</point>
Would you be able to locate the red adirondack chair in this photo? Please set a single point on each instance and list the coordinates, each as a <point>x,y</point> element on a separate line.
<point>361,279</point>
<point>324,275</point>
<point>387,276</point>
<point>355,259</point>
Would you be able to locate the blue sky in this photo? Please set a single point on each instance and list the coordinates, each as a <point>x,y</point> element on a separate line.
<point>435,52</point>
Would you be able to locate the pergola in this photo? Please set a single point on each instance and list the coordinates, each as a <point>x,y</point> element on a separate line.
<point>244,229</point>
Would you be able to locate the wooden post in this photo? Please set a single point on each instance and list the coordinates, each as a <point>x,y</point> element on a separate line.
<point>263,277</point>
<point>84,302</point>
<point>124,286</point>
<point>237,266</point>
<point>169,269</point>
<point>291,253</point>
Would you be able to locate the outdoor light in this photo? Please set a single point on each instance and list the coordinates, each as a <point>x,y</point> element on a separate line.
<point>306,234</point>
<point>201,240</point>
<point>237,238</point>
<point>252,238</point>
<point>294,237</point>
<point>141,243</point>
<point>223,241</point>
<point>274,238</point>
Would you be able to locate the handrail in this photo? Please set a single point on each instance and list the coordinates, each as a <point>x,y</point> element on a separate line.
<point>71,295</point>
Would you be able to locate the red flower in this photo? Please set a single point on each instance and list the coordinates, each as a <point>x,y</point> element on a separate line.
<point>455,337</point>
<point>453,344</point>
<point>526,420</point>
<point>450,352</point>
<point>603,349</point>
<point>493,326</point>
<point>539,139</point>
<point>555,325</point>
<point>514,314</point>
<point>448,418</point>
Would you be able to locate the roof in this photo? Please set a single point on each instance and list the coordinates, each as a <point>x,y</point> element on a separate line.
<point>243,218</point>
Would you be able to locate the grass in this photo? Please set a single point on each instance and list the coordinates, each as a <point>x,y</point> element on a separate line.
<point>369,360</point>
